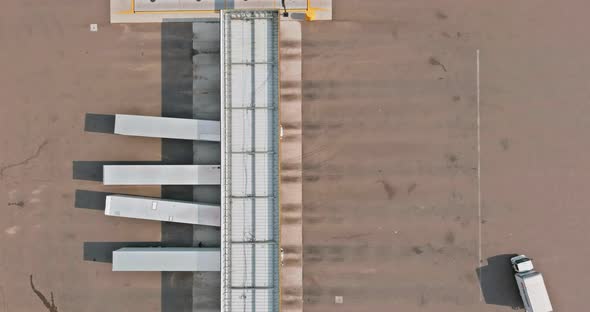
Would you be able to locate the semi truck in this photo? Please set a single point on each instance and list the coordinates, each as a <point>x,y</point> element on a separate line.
<point>530,285</point>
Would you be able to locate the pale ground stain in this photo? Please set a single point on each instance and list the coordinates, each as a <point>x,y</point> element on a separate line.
<point>12,230</point>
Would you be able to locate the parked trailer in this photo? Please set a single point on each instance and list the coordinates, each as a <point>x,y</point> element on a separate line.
<point>167,259</point>
<point>162,210</point>
<point>169,128</point>
<point>161,175</point>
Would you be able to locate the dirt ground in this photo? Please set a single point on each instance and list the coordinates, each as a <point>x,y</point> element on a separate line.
<point>391,214</point>
<point>54,71</point>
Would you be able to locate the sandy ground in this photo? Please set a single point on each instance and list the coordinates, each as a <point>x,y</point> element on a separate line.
<point>390,160</point>
<point>54,71</point>
<point>391,216</point>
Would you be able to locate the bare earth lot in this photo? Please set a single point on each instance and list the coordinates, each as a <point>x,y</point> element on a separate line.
<point>390,153</point>
<point>54,71</point>
<point>391,217</point>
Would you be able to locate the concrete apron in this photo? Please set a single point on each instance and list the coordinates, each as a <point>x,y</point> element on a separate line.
<point>291,189</point>
<point>124,11</point>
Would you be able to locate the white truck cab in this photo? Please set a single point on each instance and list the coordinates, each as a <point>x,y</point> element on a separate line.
<point>530,285</point>
<point>522,264</point>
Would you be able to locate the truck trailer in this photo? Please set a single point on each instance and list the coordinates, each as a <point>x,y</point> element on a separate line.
<point>530,285</point>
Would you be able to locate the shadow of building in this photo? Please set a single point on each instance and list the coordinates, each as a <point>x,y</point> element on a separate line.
<point>190,89</point>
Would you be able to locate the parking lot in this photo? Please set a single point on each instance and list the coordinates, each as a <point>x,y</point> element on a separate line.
<point>391,213</point>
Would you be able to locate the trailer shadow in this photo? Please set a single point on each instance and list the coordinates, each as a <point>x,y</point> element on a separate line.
<point>91,170</point>
<point>103,251</point>
<point>87,199</point>
<point>99,123</point>
<point>497,282</point>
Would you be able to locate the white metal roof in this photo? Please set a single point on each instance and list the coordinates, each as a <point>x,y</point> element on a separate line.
<point>249,165</point>
<point>161,175</point>
<point>166,127</point>
<point>166,259</point>
<point>162,210</point>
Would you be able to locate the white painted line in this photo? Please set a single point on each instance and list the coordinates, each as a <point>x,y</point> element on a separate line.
<point>479,239</point>
<point>94,27</point>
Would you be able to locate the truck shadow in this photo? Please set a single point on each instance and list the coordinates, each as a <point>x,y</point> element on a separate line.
<point>497,282</point>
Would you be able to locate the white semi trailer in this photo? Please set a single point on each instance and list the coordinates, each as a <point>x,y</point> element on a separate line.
<point>531,285</point>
